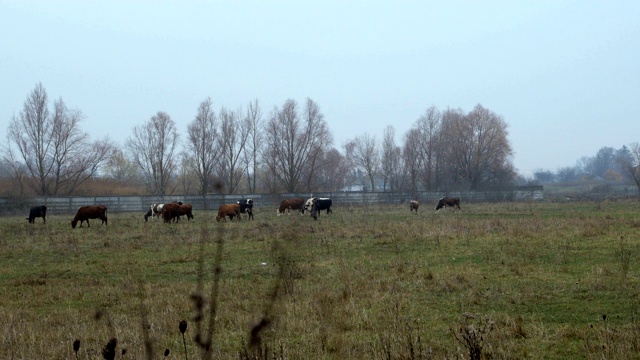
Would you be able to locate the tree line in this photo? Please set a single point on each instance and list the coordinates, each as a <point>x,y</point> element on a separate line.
<point>288,149</point>
<point>608,164</point>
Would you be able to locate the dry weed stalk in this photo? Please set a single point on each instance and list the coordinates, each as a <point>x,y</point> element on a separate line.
<point>148,345</point>
<point>76,347</point>
<point>109,350</point>
<point>183,328</point>
<point>205,341</point>
<point>472,336</point>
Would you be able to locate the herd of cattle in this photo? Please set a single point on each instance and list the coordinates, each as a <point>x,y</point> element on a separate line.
<point>171,212</point>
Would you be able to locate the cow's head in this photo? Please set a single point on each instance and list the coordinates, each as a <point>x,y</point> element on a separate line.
<point>440,204</point>
<point>147,215</point>
<point>308,205</point>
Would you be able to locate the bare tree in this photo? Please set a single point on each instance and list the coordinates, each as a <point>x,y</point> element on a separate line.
<point>234,132</point>
<point>398,179</point>
<point>629,160</point>
<point>410,156</point>
<point>320,138</point>
<point>17,171</point>
<point>187,180</point>
<point>202,149</point>
<point>333,176</point>
<point>119,167</point>
<point>543,176</point>
<point>253,148</point>
<point>294,145</point>
<point>363,152</point>
<point>428,126</point>
<point>153,147</point>
<point>479,153</point>
<point>57,155</point>
<point>567,174</point>
<point>389,160</point>
<point>450,145</point>
<point>601,163</point>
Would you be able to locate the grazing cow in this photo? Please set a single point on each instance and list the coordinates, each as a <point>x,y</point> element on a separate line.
<point>90,212</point>
<point>37,211</point>
<point>414,205</point>
<point>173,211</point>
<point>291,204</point>
<point>448,201</point>
<point>229,210</point>
<point>317,204</point>
<point>246,206</point>
<point>154,210</point>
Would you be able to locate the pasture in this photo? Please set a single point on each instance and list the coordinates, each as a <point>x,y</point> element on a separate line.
<point>502,281</point>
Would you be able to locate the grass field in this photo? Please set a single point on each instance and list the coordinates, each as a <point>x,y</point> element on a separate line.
<point>500,281</point>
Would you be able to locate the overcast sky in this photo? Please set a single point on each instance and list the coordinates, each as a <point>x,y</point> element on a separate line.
<point>564,75</point>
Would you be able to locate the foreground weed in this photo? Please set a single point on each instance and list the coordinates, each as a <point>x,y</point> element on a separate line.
<point>109,350</point>
<point>471,334</point>
<point>624,257</point>
<point>183,328</point>
<point>76,347</point>
<point>205,340</point>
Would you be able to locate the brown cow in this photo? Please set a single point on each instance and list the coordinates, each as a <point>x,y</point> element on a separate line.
<point>229,210</point>
<point>90,212</point>
<point>414,205</point>
<point>291,204</point>
<point>174,210</point>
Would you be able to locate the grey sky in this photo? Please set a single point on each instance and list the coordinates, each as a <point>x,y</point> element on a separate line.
<point>565,75</point>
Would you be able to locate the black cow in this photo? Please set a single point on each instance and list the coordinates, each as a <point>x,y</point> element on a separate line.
<point>317,204</point>
<point>246,206</point>
<point>37,211</point>
<point>448,201</point>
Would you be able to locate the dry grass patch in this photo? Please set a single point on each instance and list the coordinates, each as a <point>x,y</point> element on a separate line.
<point>507,281</point>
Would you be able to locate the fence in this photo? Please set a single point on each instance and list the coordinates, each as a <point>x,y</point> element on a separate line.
<point>70,204</point>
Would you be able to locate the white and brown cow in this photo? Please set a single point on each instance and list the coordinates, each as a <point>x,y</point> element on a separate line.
<point>154,211</point>
<point>414,205</point>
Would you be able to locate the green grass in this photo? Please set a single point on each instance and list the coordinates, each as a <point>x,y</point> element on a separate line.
<point>532,280</point>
